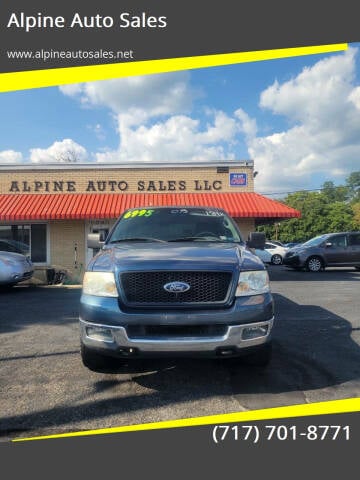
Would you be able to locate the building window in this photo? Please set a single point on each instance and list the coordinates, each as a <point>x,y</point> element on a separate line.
<point>27,239</point>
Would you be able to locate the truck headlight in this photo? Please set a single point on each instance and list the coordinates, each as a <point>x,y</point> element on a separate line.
<point>101,284</point>
<point>253,283</point>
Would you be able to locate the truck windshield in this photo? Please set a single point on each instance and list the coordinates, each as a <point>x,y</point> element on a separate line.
<point>175,225</point>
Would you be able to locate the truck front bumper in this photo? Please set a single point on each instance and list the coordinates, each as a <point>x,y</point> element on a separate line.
<point>114,341</point>
<point>247,324</point>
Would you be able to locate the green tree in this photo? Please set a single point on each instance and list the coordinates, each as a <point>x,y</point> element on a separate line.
<point>353,185</point>
<point>318,215</point>
<point>333,193</point>
<point>313,207</point>
<point>356,212</point>
<point>340,217</point>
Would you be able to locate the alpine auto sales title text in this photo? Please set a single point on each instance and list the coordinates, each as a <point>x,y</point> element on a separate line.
<point>139,20</point>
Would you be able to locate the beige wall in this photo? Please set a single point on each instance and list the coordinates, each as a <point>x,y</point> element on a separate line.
<point>63,237</point>
<point>157,180</point>
<point>246,225</point>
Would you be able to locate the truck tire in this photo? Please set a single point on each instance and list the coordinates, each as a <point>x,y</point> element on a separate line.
<point>314,264</point>
<point>97,362</point>
<point>260,358</point>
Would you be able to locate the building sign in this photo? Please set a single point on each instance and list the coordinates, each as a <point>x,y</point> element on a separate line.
<point>238,179</point>
<point>108,186</point>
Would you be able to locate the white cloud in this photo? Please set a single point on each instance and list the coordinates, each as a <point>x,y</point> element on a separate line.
<point>10,156</point>
<point>153,121</point>
<point>65,151</point>
<point>354,97</point>
<point>138,98</point>
<point>316,93</point>
<point>248,125</point>
<point>322,107</point>
<point>179,138</point>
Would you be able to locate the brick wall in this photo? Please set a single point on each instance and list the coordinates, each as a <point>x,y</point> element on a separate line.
<point>64,235</point>
<point>246,225</point>
<point>126,180</point>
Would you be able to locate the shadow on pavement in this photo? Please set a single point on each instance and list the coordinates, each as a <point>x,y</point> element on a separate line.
<point>23,306</point>
<point>281,272</point>
<point>313,350</point>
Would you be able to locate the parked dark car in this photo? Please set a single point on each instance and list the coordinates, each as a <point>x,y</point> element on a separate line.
<point>175,281</point>
<point>329,250</point>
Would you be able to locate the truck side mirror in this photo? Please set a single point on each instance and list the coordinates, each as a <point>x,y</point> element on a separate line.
<point>94,240</point>
<point>256,240</point>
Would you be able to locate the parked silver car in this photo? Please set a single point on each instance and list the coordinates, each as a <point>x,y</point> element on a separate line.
<point>272,253</point>
<point>14,268</point>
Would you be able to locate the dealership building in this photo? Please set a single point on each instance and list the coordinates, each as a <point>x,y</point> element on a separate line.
<point>49,209</point>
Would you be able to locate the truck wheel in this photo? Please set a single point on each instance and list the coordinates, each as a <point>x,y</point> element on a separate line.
<point>97,362</point>
<point>276,259</point>
<point>260,358</point>
<point>314,264</point>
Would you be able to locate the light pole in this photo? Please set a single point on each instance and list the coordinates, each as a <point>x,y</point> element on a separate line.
<point>277,225</point>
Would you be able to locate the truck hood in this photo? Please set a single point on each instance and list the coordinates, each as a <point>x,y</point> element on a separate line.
<point>175,256</point>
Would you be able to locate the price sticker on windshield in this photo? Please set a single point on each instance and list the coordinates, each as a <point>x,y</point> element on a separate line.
<point>144,212</point>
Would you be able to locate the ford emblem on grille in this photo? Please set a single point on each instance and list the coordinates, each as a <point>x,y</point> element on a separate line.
<point>177,287</point>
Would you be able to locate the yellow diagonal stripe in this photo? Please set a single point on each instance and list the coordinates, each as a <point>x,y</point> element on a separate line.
<point>321,408</point>
<point>62,76</point>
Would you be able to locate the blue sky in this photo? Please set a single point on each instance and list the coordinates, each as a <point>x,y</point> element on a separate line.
<point>297,118</point>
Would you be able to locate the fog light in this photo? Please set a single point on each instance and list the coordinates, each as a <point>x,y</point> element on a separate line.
<point>249,333</point>
<point>100,334</point>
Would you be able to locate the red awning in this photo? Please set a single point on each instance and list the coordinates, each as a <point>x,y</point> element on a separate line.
<point>76,206</point>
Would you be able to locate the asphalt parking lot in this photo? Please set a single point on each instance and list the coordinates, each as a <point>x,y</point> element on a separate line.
<point>44,388</point>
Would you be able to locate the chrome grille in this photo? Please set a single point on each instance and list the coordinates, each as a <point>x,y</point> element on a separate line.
<point>147,288</point>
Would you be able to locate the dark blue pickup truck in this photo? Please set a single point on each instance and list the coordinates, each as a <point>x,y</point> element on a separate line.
<point>175,281</point>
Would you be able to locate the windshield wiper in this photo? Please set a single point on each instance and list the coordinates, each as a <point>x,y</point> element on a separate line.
<point>137,239</point>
